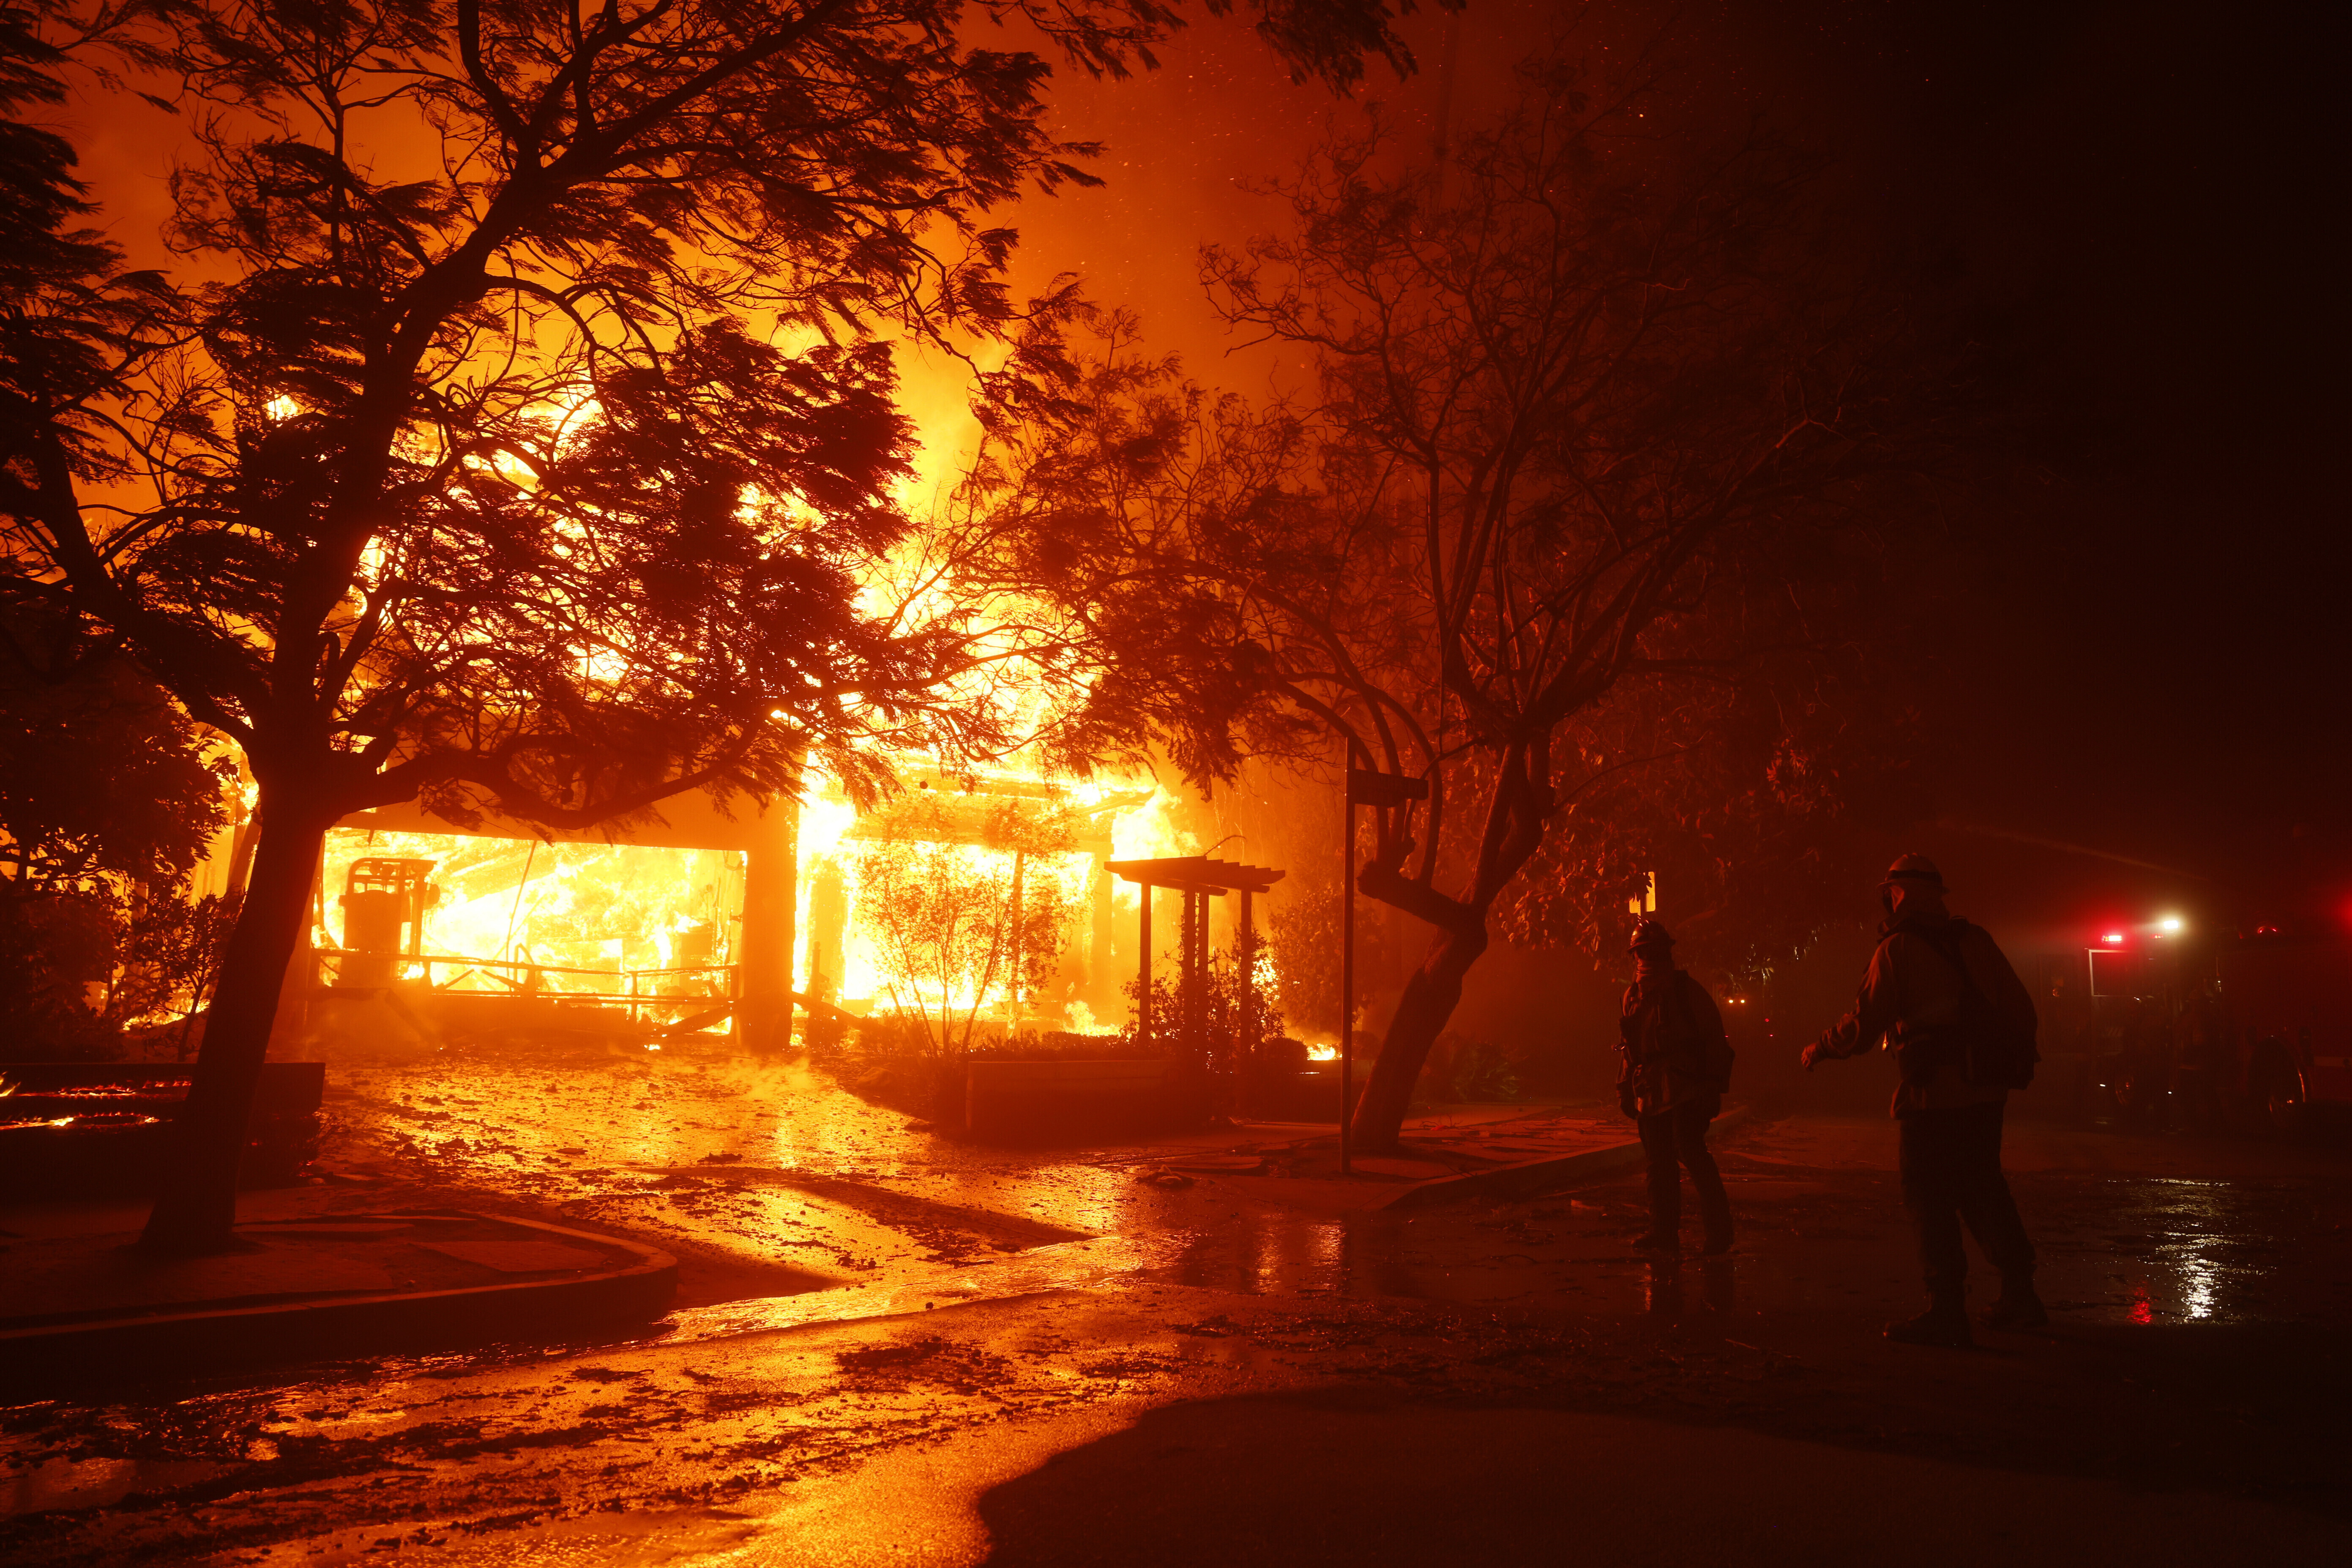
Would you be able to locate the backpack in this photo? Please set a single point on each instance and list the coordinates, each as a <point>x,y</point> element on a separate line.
<point>1714,1051</point>
<point>1992,1051</point>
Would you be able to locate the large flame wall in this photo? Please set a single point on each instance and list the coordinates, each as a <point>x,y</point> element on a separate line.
<point>1086,988</point>
<point>599,907</point>
<point>609,909</point>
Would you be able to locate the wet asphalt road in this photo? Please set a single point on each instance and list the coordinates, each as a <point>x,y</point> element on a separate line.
<point>897,1350</point>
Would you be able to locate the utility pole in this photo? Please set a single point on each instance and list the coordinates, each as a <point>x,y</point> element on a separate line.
<point>1012,1002</point>
<point>1347,957</point>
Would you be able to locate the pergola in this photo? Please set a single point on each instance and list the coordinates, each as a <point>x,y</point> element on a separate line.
<point>1199,878</point>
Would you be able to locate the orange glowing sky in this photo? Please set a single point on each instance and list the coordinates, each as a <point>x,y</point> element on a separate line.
<point>2133,180</point>
<point>1181,143</point>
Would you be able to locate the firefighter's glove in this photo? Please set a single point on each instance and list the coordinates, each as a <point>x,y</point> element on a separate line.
<point>1812,1054</point>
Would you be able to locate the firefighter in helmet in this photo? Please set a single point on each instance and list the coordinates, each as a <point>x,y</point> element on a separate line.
<point>1945,1001</point>
<point>1676,1066</point>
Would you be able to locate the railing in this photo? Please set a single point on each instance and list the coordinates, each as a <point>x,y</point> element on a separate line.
<point>627,990</point>
<point>696,1009</point>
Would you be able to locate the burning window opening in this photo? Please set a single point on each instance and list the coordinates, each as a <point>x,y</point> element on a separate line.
<point>647,932</point>
<point>639,929</point>
<point>970,904</point>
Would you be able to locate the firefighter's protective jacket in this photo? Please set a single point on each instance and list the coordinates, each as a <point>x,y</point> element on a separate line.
<point>1911,989</point>
<point>1674,1046</point>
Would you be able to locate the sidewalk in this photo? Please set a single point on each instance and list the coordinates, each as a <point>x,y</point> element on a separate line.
<point>331,1271</point>
<point>82,1305</point>
<point>1483,1153</point>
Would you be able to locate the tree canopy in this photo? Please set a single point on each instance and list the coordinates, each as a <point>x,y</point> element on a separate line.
<point>520,421</point>
<point>101,776</point>
<point>1598,420</point>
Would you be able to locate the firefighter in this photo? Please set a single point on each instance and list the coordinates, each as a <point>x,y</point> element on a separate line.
<point>1941,994</point>
<point>2204,1060</point>
<point>1676,1067</point>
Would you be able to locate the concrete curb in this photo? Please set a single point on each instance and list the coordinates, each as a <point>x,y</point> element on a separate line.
<point>35,1361</point>
<point>1544,1173</point>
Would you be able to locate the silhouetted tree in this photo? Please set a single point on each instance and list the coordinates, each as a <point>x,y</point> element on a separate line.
<point>101,776</point>
<point>1787,781</point>
<point>536,473</point>
<point>108,800</point>
<point>951,927</point>
<point>1595,411</point>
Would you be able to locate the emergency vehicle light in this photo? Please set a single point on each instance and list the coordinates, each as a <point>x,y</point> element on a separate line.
<point>2113,939</point>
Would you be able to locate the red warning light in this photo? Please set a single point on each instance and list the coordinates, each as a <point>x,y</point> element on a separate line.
<point>2113,939</point>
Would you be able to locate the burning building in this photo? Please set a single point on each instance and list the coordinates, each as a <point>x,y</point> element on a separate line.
<point>969,904</point>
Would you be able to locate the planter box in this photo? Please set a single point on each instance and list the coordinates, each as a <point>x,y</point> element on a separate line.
<point>1071,1100</point>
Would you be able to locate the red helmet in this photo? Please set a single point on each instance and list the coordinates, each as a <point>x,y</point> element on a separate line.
<point>1650,933</point>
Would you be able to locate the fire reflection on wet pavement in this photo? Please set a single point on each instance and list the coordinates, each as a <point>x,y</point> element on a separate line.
<point>933,1293</point>
<point>768,1169</point>
<point>803,1187</point>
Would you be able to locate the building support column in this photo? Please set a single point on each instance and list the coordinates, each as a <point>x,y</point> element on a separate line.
<point>771,894</point>
<point>1099,986</point>
<point>1245,993</point>
<point>1143,966</point>
<point>1188,971</point>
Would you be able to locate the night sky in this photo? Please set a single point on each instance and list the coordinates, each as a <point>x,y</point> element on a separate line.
<point>2131,203</point>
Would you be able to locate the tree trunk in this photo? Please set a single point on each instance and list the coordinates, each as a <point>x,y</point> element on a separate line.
<point>1429,1000</point>
<point>196,1212</point>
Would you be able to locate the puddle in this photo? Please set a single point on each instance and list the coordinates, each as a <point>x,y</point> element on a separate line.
<point>753,1165</point>
<point>1550,1254</point>
<point>95,1483</point>
<point>2161,1250</point>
